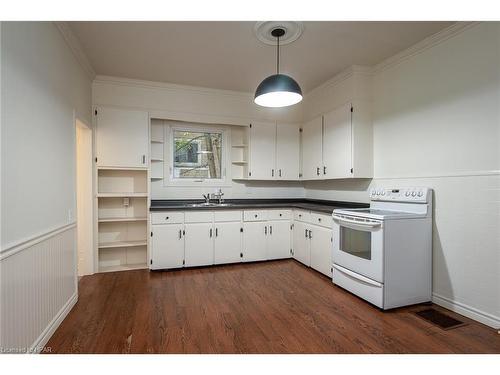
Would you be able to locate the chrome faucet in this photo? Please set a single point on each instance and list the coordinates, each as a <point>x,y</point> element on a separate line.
<point>207,198</point>
<point>219,196</point>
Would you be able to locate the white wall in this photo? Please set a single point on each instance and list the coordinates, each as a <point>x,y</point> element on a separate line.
<point>42,84</point>
<point>202,105</point>
<point>42,87</point>
<point>436,123</point>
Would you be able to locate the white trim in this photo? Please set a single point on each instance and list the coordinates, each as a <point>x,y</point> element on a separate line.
<point>468,311</point>
<point>493,172</point>
<point>75,47</point>
<point>15,247</point>
<point>423,45</point>
<point>119,81</point>
<point>338,78</point>
<point>47,333</point>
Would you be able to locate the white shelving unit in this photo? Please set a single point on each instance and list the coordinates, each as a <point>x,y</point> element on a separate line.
<point>157,146</point>
<point>239,153</point>
<point>122,225</point>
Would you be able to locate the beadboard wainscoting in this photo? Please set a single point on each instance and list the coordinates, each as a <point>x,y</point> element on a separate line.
<point>38,289</point>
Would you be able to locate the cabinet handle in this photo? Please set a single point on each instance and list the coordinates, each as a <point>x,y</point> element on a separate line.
<point>272,172</point>
<point>280,172</point>
<point>306,233</point>
<point>210,232</point>
<point>167,218</point>
<point>324,169</point>
<point>317,171</point>
<point>143,159</point>
<point>310,234</point>
<point>180,234</point>
<point>216,232</point>
<point>270,229</point>
<point>265,230</point>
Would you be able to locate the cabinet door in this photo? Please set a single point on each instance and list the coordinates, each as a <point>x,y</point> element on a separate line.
<point>301,243</point>
<point>337,143</point>
<point>262,151</point>
<point>121,138</point>
<point>199,244</point>
<point>321,249</point>
<point>287,151</point>
<point>312,149</point>
<point>254,241</point>
<point>227,243</point>
<point>278,239</point>
<point>167,246</point>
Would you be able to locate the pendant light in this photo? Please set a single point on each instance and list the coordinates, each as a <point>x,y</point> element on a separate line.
<point>278,90</point>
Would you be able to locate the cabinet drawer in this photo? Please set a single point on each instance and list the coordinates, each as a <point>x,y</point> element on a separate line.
<point>279,214</point>
<point>198,216</point>
<point>221,216</point>
<point>302,215</point>
<point>167,217</point>
<point>324,220</point>
<point>255,215</point>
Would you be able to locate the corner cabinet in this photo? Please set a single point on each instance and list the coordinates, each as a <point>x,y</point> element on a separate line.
<point>274,151</point>
<point>339,144</point>
<point>122,138</point>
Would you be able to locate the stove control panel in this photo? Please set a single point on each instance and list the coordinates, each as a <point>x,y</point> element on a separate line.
<point>406,194</point>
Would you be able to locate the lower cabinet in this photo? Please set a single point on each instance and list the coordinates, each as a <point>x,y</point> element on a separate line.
<point>227,243</point>
<point>254,241</point>
<point>312,246</point>
<point>199,244</point>
<point>278,239</point>
<point>301,244</point>
<point>321,249</point>
<point>167,246</point>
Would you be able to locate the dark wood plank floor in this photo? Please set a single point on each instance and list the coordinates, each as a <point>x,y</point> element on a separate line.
<point>269,307</point>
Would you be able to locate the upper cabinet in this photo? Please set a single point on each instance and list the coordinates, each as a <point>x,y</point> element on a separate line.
<point>287,151</point>
<point>312,159</point>
<point>345,138</point>
<point>121,138</point>
<point>274,151</point>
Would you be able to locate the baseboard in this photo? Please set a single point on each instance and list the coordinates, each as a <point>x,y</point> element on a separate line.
<point>47,333</point>
<point>468,311</point>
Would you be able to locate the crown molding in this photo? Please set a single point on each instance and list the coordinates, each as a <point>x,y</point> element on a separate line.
<point>76,47</point>
<point>120,81</point>
<point>423,45</point>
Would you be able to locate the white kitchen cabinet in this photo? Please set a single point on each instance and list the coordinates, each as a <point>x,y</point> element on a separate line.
<point>227,242</point>
<point>262,151</point>
<point>278,239</point>
<point>121,138</point>
<point>167,246</point>
<point>312,157</point>
<point>301,244</point>
<point>287,151</point>
<point>199,244</point>
<point>321,249</point>
<point>347,142</point>
<point>254,241</point>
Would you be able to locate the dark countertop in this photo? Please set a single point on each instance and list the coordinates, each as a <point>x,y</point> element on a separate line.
<point>239,204</point>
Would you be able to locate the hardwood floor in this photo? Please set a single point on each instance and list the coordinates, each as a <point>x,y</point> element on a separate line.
<point>269,307</point>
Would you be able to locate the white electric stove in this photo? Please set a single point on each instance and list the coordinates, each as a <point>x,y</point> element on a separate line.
<point>383,253</point>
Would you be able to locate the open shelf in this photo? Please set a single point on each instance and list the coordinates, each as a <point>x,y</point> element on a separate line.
<point>122,195</point>
<point>123,267</point>
<point>121,219</point>
<point>110,245</point>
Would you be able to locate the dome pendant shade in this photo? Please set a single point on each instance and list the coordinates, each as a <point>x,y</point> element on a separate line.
<point>278,90</point>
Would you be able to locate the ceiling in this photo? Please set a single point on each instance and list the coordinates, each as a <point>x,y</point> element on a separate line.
<point>227,55</point>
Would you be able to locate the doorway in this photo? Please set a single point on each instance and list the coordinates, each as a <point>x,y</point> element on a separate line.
<point>84,202</point>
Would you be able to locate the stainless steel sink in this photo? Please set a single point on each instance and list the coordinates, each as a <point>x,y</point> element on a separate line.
<point>209,205</point>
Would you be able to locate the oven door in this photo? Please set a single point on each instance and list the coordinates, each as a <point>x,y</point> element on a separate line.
<point>358,245</point>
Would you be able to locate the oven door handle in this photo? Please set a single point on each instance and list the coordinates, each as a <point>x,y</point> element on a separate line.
<point>358,277</point>
<point>355,224</point>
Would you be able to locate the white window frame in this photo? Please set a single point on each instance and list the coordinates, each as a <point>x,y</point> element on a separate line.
<point>169,181</point>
